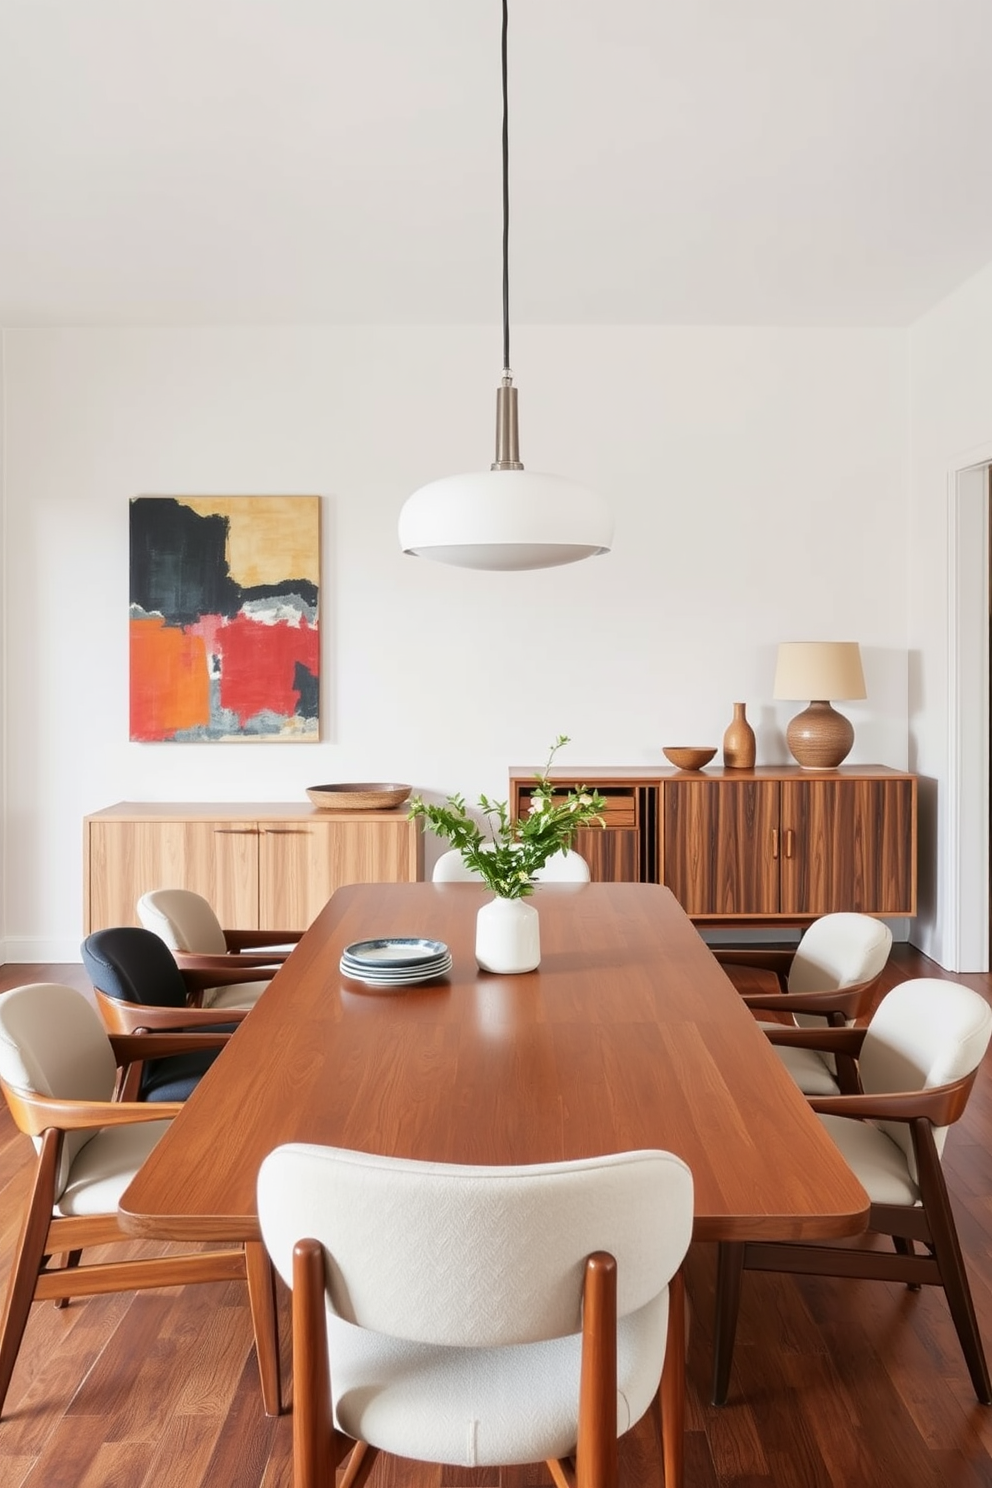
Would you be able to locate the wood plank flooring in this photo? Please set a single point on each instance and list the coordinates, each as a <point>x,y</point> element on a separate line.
<point>835,1384</point>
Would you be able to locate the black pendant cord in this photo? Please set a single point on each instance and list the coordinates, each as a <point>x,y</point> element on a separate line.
<point>506,209</point>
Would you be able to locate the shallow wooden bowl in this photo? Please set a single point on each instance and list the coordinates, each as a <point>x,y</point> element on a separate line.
<point>361,796</point>
<point>689,756</point>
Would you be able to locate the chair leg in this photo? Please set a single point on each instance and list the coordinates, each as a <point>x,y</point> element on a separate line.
<point>671,1392</point>
<point>906,1247</point>
<point>596,1457</point>
<point>729,1276</point>
<point>28,1259</point>
<point>360,1465</point>
<point>262,1299</point>
<point>950,1261</point>
<point>69,1261</point>
<point>318,1446</point>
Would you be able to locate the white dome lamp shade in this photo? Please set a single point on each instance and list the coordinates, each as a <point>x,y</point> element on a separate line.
<point>505,518</point>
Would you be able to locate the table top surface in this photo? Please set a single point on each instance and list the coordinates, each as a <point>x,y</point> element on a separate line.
<point>628,1035</point>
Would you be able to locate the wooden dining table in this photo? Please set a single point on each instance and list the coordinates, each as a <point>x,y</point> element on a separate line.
<point>628,1035</point>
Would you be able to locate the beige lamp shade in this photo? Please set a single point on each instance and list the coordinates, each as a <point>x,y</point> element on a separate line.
<point>819,737</point>
<point>819,669</point>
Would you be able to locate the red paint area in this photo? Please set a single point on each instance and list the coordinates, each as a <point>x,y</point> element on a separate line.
<point>258,665</point>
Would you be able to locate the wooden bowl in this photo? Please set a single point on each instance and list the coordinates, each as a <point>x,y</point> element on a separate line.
<point>362,796</point>
<point>689,756</point>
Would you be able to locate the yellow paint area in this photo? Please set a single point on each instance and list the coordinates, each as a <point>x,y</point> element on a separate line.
<point>270,538</point>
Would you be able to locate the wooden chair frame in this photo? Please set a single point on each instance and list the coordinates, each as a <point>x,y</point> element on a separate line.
<point>931,1222</point>
<point>138,1018</point>
<point>837,1005</point>
<point>319,1447</point>
<point>33,1277</point>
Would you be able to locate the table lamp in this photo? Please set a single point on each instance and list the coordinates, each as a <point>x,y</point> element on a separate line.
<point>819,737</point>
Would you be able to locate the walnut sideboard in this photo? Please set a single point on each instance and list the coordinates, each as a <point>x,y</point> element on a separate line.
<point>260,866</point>
<point>776,843</point>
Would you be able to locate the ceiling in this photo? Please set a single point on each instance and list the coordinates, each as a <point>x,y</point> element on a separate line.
<point>779,162</point>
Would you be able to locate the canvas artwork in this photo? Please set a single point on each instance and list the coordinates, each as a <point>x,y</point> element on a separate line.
<point>224,632</point>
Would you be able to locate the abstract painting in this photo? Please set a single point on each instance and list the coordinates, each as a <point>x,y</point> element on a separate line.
<point>224,632</point>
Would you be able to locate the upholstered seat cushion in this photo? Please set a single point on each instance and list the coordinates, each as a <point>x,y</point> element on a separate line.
<point>807,1067</point>
<point>175,1078</point>
<point>483,1407</point>
<point>237,995</point>
<point>875,1159</point>
<point>102,1169</point>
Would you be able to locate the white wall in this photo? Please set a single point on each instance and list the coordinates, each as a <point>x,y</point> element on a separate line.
<point>755,477</point>
<point>951,423</point>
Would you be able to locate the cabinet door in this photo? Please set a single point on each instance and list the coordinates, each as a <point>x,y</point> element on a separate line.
<point>301,864</point>
<point>848,845</point>
<point>613,854</point>
<point>128,858</point>
<point>721,845</point>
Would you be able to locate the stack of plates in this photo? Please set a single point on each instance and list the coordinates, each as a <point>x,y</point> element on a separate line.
<point>398,961</point>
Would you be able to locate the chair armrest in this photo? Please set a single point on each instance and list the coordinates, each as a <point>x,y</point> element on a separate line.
<point>941,1105</point>
<point>760,958</point>
<point>37,1113</point>
<point>824,1040</point>
<point>247,940</point>
<point>135,1017</point>
<point>219,972</point>
<point>131,1047</point>
<point>200,970</point>
<point>851,1002</point>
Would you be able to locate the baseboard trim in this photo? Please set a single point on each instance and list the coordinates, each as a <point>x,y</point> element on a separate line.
<point>22,950</point>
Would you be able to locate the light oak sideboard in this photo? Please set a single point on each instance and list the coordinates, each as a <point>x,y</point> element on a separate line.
<point>772,844</point>
<point>261,866</point>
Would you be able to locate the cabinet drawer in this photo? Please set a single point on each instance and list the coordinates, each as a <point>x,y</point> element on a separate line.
<point>621,809</point>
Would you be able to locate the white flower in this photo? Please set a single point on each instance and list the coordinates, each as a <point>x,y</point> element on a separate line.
<point>538,803</point>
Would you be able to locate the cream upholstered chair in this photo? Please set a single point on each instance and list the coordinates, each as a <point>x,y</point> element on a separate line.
<point>189,927</point>
<point>916,1063</point>
<point>831,975</point>
<point>562,867</point>
<point>479,1316</point>
<point>58,1069</point>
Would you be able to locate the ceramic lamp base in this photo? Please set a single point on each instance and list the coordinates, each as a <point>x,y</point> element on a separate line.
<point>820,737</point>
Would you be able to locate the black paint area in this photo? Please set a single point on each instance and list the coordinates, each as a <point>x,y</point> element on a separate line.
<point>178,564</point>
<point>308,687</point>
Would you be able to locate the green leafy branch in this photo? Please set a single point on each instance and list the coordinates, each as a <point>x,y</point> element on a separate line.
<point>507,859</point>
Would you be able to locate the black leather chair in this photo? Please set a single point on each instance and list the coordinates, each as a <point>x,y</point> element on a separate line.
<point>140,989</point>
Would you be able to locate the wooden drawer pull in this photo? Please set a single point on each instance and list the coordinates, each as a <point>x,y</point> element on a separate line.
<point>774,842</point>
<point>789,841</point>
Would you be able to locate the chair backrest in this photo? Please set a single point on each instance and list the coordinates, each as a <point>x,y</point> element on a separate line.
<point>475,1257</point>
<point>839,950</point>
<point>925,1032</point>
<point>53,1043</point>
<point>564,867</point>
<point>184,920</point>
<point>134,965</point>
<point>452,868</point>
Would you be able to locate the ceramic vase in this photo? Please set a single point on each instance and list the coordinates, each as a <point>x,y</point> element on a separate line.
<point>739,748</point>
<point>507,936</point>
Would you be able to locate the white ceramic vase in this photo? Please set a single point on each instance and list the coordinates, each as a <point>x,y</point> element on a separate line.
<point>508,936</point>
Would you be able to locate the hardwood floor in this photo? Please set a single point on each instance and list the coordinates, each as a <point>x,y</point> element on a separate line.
<point>835,1384</point>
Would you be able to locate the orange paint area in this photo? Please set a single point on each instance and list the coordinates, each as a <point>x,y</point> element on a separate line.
<point>170,688</point>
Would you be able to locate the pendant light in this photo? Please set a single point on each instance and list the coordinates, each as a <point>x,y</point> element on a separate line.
<point>505,517</point>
